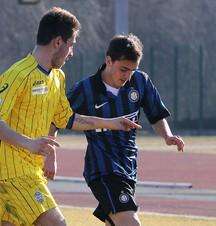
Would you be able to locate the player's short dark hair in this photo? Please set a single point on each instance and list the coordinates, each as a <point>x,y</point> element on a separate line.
<point>125,47</point>
<point>57,22</point>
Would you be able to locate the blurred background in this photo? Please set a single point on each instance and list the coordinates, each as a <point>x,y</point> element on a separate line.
<point>179,38</point>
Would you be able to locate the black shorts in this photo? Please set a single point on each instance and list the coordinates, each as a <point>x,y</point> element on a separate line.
<point>114,194</point>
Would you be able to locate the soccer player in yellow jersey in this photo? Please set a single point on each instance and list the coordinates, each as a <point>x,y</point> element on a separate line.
<point>32,96</point>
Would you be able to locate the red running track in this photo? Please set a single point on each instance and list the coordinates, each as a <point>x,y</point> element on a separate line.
<point>198,169</point>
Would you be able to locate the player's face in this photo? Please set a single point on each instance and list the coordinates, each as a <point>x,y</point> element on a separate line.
<point>120,71</point>
<point>63,53</point>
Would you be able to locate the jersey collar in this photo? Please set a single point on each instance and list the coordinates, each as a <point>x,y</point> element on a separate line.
<point>98,82</point>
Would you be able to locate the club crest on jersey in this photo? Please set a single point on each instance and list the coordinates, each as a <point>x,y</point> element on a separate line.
<point>39,196</point>
<point>133,95</point>
<point>123,198</point>
<point>38,90</point>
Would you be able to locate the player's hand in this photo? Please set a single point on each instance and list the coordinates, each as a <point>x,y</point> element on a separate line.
<point>42,146</point>
<point>175,140</point>
<point>122,123</point>
<point>50,166</point>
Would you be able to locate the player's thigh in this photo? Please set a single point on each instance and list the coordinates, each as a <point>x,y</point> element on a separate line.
<point>52,217</point>
<point>125,218</point>
<point>28,198</point>
<point>7,213</point>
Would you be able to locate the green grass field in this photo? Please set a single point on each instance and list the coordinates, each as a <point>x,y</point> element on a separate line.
<point>84,217</point>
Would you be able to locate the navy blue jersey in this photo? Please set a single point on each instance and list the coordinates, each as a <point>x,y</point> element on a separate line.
<point>115,152</point>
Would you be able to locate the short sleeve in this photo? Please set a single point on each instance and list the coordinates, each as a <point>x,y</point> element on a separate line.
<point>152,104</point>
<point>12,84</point>
<point>76,98</point>
<point>63,114</point>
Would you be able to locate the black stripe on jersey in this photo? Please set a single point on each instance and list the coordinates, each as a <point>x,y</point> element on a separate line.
<point>31,78</point>
<point>30,196</point>
<point>14,164</point>
<point>70,122</point>
<point>4,87</point>
<point>64,117</point>
<point>15,77</point>
<point>8,153</point>
<point>24,198</point>
<point>23,208</point>
<point>101,137</point>
<point>62,106</point>
<point>42,122</point>
<point>77,100</point>
<point>29,102</point>
<point>117,134</point>
<point>87,89</point>
<point>5,212</point>
<point>127,108</point>
<point>46,120</point>
<point>28,92</point>
<point>33,129</point>
<point>5,160</point>
<point>36,184</point>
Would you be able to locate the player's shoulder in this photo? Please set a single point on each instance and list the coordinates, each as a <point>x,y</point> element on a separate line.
<point>59,73</point>
<point>83,82</point>
<point>22,68</point>
<point>141,75</point>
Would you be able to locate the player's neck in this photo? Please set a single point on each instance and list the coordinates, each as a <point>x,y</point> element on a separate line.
<point>42,56</point>
<point>106,78</point>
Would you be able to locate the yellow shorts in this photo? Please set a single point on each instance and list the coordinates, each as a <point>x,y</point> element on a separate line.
<point>24,199</point>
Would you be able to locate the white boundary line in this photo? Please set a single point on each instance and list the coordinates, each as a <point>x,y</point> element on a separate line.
<point>151,213</point>
<point>153,184</point>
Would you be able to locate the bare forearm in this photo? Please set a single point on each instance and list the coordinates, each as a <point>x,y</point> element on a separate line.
<point>162,128</point>
<point>11,137</point>
<point>82,122</point>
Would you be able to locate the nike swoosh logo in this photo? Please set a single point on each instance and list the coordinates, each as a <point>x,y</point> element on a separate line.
<point>101,105</point>
<point>3,88</point>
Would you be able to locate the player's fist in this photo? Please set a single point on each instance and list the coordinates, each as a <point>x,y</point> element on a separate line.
<point>42,146</point>
<point>175,140</point>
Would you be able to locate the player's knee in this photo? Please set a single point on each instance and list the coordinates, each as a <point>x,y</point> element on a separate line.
<point>128,218</point>
<point>52,217</point>
<point>131,222</point>
<point>60,223</point>
<point>136,220</point>
<point>53,222</point>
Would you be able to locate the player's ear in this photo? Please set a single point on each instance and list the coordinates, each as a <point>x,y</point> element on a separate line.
<point>108,61</point>
<point>57,42</point>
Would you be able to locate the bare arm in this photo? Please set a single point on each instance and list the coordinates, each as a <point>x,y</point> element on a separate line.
<point>41,146</point>
<point>82,122</point>
<point>50,163</point>
<point>162,129</point>
<point>11,137</point>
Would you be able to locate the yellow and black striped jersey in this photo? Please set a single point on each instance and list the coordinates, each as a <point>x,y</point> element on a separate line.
<point>30,99</point>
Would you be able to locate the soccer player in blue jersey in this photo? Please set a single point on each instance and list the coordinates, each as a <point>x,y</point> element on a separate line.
<point>118,89</point>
